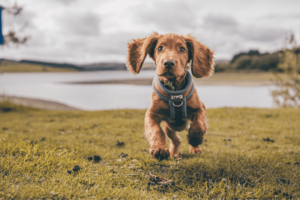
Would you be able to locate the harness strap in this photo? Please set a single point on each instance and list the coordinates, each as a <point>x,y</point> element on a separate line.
<point>157,92</point>
<point>175,95</point>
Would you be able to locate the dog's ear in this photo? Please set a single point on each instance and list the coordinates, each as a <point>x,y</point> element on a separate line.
<point>202,57</point>
<point>138,50</point>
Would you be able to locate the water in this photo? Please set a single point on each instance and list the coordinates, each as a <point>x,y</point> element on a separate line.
<point>51,86</point>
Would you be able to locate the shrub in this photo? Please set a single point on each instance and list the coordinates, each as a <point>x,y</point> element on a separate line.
<point>287,93</point>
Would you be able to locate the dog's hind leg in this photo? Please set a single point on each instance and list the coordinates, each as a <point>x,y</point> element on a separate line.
<point>174,140</point>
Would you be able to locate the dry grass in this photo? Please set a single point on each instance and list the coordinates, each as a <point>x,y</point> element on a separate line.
<point>38,147</point>
<point>6,66</point>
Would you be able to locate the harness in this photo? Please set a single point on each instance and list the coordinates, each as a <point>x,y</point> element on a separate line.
<point>171,97</point>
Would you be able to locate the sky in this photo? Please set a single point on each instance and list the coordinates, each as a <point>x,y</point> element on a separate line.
<point>92,31</point>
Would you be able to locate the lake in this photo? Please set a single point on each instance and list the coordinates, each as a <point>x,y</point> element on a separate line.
<point>53,86</point>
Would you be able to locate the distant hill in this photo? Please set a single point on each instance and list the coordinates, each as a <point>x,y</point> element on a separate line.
<point>50,64</point>
<point>14,66</point>
<point>89,67</point>
<point>104,66</point>
<point>252,60</point>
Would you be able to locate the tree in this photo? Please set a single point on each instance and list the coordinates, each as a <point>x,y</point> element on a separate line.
<point>287,92</point>
<point>11,36</point>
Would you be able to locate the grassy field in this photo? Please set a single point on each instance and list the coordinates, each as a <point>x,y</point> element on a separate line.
<point>248,153</point>
<point>239,76</point>
<point>6,66</point>
<point>245,78</point>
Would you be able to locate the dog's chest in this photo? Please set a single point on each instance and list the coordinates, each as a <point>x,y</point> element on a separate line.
<point>179,123</point>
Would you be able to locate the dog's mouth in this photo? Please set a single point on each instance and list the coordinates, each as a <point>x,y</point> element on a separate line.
<point>168,75</point>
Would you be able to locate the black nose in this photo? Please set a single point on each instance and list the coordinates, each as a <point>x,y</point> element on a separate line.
<point>169,64</point>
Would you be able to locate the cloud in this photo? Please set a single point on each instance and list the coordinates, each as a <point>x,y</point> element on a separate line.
<point>81,24</point>
<point>106,44</point>
<point>229,26</point>
<point>98,31</point>
<point>105,48</point>
<point>220,21</point>
<point>65,2</point>
<point>174,16</point>
<point>260,33</point>
<point>16,22</point>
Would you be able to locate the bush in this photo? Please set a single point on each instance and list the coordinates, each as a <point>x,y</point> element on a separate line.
<point>252,60</point>
<point>251,53</point>
<point>243,62</point>
<point>263,62</point>
<point>8,106</point>
<point>287,93</point>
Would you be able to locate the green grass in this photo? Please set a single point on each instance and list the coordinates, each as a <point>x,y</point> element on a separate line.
<point>6,66</point>
<point>237,76</point>
<point>240,76</point>
<point>38,147</point>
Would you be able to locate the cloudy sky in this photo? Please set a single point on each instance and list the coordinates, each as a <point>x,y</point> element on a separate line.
<point>91,31</point>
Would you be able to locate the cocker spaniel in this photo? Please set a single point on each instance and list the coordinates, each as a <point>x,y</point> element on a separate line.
<point>174,100</point>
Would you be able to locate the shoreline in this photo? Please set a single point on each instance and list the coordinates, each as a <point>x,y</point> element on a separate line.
<point>148,81</point>
<point>37,103</point>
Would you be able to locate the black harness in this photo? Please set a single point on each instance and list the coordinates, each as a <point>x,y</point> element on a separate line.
<point>175,95</point>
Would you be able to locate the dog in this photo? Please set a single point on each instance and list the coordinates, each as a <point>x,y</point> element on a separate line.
<point>173,55</point>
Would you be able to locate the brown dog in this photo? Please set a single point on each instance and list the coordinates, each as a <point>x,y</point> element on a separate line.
<point>172,53</point>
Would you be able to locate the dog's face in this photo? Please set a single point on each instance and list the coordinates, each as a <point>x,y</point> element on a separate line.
<point>171,54</point>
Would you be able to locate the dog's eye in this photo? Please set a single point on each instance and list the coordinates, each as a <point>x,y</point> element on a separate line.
<point>182,49</point>
<point>160,48</point>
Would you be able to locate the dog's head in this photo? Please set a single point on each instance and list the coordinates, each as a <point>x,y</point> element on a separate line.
<point>171,53</point>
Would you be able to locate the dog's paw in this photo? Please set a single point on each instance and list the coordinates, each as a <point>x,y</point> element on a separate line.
<point>160,153</point>
<point>195,140</point>
<point>195,149</point>
<point>174,155</point>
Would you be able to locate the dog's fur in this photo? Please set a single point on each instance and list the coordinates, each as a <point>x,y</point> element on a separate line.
<point>202,65</point>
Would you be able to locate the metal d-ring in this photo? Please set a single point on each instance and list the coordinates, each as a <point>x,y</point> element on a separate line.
<point>177,105</point>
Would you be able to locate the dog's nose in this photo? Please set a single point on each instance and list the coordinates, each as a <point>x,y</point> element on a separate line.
<point>169,64</point>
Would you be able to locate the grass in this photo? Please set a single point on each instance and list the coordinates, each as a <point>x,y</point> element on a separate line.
<point>38,147</point>
<point>6,66</point>
<point>240,76</point>
<point>245,78</point>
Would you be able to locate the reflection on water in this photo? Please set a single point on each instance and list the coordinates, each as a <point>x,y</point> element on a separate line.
<point>49,86</point>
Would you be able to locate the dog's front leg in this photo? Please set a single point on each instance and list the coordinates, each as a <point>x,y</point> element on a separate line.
<point>196,131</point>
<point>156,137</point>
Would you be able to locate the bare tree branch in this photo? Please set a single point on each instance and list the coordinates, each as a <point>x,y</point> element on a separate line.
<point>14,10</point>
<point>12,36</point>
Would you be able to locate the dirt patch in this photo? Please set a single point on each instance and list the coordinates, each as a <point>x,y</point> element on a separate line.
<point>96,158</point>
<point>36,103</point>
<point>119,144</point>
<point>268,140</point>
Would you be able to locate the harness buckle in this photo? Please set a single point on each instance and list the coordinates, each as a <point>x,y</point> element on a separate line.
<point>177,105</point>
<point>176,97</point>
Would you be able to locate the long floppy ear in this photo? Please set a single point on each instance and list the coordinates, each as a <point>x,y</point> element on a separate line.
<point>138,50</point>
<point>201,56</point>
